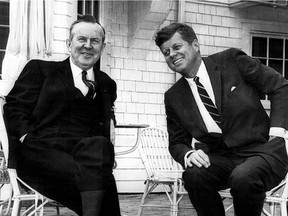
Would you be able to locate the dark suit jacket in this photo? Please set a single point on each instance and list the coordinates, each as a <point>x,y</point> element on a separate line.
<point>245,124</point>
<point>40,95</point>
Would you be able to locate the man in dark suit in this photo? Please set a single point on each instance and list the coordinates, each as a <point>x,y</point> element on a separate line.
<point>218,128</point>
<point>59,125</point>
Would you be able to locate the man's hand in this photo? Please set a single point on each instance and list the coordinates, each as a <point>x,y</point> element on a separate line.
<point>199,158</point>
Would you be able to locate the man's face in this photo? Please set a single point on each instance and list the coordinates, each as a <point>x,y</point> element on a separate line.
<point>86,45</point>
<point>182,57</point>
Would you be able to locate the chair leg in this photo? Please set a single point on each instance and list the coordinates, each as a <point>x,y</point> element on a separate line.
<point>145,193</point>
<point>272,208</point>
<point>174,204</point>
<point>16,207</point>
<point>283,209</point>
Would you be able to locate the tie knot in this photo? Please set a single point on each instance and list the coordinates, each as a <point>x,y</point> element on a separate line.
<point>84,73</point>
<point>196,79</point>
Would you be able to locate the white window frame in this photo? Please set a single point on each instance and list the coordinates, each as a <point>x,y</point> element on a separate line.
<point>284,58</point>
<point>92,5</point>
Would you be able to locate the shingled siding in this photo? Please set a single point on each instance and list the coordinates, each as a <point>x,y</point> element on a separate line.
<point>135,63</point>
<point>143,77</point>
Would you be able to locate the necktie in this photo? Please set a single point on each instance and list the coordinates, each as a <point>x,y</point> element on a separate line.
<point>208,103</point>
<point>90,84</point>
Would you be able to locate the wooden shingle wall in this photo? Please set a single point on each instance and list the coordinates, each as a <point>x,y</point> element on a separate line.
<point>132,59</point>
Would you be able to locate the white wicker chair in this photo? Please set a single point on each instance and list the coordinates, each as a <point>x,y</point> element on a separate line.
<point>276,197</point>
<point>161,169</point>
<point>17,195</point>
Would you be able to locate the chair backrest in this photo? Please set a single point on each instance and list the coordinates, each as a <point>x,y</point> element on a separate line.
<point>154,151</point>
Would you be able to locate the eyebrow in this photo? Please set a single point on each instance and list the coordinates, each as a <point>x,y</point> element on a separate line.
<point>93,38</point>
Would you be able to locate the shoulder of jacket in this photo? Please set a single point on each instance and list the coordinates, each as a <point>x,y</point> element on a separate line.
<point>228,52</point>
<point>103,77</point>
<point>175,88</point>
<point>44,63</point>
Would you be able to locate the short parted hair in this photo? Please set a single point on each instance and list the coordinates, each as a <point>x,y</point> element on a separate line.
<point>87,19</point>
<point>164,34</point>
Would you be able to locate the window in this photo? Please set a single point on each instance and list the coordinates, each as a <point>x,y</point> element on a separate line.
<point>4,28</point>
<point>271,51</point>
<point>89,7</point>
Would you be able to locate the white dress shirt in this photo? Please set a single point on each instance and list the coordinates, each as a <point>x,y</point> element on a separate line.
<point>210,124</point>
<point>77,77</point>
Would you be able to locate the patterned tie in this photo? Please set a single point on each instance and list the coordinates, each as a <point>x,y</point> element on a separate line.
<point>90,84</point>
<point>208,103</point>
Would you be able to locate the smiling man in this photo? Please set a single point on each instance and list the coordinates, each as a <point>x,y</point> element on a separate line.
<point>218,128</point>
<point>58,117</point>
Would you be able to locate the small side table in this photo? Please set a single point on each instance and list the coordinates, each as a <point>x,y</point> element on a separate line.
<point>132,126</point>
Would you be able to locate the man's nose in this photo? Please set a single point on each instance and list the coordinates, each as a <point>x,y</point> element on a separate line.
<point>87,44</point>
<point>172,53</point>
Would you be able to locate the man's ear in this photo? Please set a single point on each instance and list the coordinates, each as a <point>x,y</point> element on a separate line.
<point>68,44</point>
<point>103,47</point>
<point>196,45</point>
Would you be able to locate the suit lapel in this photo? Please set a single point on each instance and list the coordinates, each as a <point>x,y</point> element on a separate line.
<point>187,98</point>
<point>66,74</point>
<point>189,105</point>
<point>215,79</point>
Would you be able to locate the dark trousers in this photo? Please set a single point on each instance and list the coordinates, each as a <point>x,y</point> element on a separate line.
<point>61,168</point>
<point>248,177</point>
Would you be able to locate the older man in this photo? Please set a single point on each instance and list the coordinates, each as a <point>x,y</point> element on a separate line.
<point>58,116</point>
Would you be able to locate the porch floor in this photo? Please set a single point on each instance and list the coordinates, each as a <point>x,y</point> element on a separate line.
<point>129,204</point>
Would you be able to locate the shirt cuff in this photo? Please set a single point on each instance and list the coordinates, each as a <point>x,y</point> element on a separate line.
<point>186,156</point>
<point>277,131</point>
<point>22,138</point>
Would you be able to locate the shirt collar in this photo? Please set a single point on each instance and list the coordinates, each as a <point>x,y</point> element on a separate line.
<point>76,71</point>
<point>201,73</point>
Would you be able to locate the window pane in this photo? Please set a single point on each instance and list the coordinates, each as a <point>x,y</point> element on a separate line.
<point>80,7</point>
<point>2,53</point>
<point>4,13</point>
<point>88,9</point>
<point>286,49</point>
<point>277,65</point>
<point>259,47</point>
<point>286,69</point>
<point>95,10</point>
<point>4,31</point>
<point>276,48</point>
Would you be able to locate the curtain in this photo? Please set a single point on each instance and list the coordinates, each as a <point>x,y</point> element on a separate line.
<point>30,35</point>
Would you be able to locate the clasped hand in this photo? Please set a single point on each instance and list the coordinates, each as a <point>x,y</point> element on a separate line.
<point>198,158</point>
